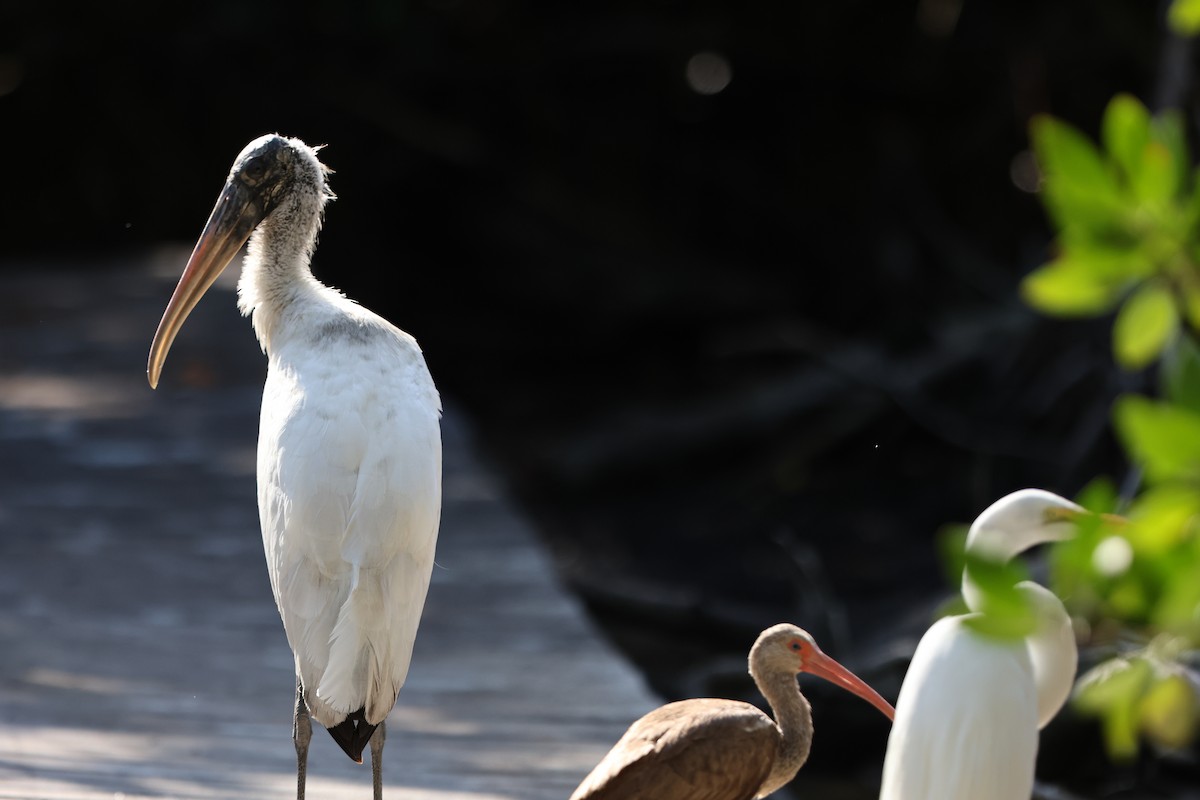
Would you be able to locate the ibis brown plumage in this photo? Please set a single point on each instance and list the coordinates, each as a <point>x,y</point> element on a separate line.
<point>714,749</point>
<point>349,450</point>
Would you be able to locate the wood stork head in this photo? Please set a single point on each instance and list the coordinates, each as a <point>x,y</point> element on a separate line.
<point>274,177</point>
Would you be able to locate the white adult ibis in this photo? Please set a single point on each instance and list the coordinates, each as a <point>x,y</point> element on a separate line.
<point>349,450</point>
<point>710,749</point>
<point>969,712</point>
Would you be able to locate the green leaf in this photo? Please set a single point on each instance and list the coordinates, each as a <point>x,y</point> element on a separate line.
<point>1184,17</point>
<point>1163,438</point>
<point>1112,692</point>
<point>1125,132</point>
<point>1168,129</point>
<point>951,543</point>
<point>1119,725</point>
<point>1176,608</point>
<point>1080,189</point>
<point>1005,611</point>
<point>1180,373</point>
<point>1114,681</point>
<point>1191,303</point>
<point>1072,580</point>
<point>1168,712</point>
<point>1159,518</point>
<point>1071,562</point>
<point>1128,598</point>
<point>1099,496</point>
<point>1191,204</point>
<point>1156,179</point>
<point>1143,325</point>
<point>1069,288</point>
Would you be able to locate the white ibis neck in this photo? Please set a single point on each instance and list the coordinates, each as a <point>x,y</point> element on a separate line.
<point>1002,543</point>
<point>276,271</point>
<point>1052,651</point>
<point>1014,524</point>
<point>1051,646</point>
<point>793,715</point>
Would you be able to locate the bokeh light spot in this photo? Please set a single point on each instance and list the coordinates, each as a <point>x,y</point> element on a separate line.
<point>1024,173</point>
<point>938,18</point>
<point>11,72</point>
<point>708,72</point>
<point>1112,557</point>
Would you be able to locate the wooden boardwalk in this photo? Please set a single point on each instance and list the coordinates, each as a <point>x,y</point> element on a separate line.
<point>140,651</point>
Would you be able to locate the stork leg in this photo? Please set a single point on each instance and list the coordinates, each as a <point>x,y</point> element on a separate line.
<point>301,736</point>
<point>376,743</point>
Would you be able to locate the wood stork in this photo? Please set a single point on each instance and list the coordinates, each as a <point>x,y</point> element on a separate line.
<point>349,450</point>
<point>710,749</point>
<point>969,712</point>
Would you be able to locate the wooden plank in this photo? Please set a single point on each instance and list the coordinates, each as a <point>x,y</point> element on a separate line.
<point>140,651</point>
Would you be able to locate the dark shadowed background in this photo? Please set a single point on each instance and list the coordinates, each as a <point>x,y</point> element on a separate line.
<point>728,289</point>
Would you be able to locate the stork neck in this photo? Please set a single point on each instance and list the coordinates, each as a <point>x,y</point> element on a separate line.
<point>793,716</point>
<point>277,268</point>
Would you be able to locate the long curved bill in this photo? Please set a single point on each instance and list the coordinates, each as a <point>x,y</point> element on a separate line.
<point>229,226</point>
<point>821,665</point>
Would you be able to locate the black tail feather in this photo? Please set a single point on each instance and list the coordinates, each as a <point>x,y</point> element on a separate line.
<point>353,733</point>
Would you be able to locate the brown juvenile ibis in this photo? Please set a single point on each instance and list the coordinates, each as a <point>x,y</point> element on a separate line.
<point>710,749</point>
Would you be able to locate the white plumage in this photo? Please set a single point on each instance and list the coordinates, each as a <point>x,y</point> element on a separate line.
<point>969,712</point>
<point>968,729</point>
<point>349,470</point>
<point>349,449</point>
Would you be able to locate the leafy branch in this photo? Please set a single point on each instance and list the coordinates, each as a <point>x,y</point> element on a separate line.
<point>1127,217</point>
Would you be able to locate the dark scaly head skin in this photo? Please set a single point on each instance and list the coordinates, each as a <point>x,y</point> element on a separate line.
<point>265,174</point>
<point>271,167</point>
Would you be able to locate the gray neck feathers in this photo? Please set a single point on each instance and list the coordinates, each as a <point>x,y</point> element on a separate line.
<point>793,715</point>
<point>276,269</point>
